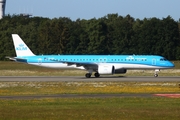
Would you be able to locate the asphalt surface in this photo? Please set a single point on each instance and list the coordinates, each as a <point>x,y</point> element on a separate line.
<point>76,96</point>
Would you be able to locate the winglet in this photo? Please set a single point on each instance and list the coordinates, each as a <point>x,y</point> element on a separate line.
<point>20,47</point>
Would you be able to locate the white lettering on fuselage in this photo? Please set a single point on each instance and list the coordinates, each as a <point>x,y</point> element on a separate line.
<point>130,57</point>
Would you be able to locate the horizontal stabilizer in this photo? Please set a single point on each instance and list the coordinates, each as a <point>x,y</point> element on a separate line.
<point>17,59</point>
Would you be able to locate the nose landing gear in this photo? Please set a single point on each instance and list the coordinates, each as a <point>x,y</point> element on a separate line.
<point>155,75</point>
<point>156,72</point>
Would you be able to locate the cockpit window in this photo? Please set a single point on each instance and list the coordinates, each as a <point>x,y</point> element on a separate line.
<point>163,59</point>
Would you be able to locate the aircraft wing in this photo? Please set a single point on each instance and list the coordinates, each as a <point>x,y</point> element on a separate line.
<point>86,65</point>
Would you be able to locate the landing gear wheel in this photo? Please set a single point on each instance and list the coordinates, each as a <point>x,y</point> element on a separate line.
<point>96,75</point>
<point>155,75</point>
<point>156,72</point>
<point>88,75</point>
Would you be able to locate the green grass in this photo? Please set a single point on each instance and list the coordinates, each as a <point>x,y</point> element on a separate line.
<point>91,109</point>
<point>20,69</point>
<point>125,108</point>
<point>46,88</point>
<point>153,108</point>
<point>177,64</point>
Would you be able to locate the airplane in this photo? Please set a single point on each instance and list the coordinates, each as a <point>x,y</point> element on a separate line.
<point>99,64</point>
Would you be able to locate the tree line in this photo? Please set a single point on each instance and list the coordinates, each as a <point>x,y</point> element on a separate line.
<point>109,35</point>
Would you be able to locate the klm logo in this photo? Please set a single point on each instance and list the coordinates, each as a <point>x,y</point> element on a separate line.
<point>21,47</point>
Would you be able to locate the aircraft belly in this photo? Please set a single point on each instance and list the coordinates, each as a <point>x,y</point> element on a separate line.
<point>136,66</point>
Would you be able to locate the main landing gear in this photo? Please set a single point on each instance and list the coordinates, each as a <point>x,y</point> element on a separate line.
<point>156,72</point>
<point>96,74</point>
<point>88,75</point>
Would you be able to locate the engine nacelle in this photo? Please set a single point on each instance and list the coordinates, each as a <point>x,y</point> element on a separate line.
<point>106,69</point>
<point>120,71</point>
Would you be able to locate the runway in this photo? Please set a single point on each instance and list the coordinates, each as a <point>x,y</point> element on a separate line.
<point>83,79</point>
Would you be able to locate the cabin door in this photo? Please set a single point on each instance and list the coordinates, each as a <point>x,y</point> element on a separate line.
<point>39,61</point>
<point>153,61</point>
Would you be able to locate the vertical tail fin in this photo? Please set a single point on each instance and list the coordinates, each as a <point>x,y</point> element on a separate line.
<point>20,47</point>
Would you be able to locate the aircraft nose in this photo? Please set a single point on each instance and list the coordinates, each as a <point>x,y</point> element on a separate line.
<point>171,64</point>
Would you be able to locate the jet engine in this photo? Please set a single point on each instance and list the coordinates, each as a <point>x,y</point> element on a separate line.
<point>106,69</point>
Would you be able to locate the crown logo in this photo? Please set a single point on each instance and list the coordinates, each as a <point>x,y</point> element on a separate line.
<point>21,45</point>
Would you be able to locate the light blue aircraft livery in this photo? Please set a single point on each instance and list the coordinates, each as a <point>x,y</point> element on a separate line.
<point>99,64</point>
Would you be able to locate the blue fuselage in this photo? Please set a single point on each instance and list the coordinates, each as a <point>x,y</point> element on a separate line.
<point>119,61</point>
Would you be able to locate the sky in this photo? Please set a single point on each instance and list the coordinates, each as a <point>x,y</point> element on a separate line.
<point>88,9</point>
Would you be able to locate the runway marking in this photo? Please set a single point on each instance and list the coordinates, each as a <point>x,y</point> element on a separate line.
<point>168,95</point>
